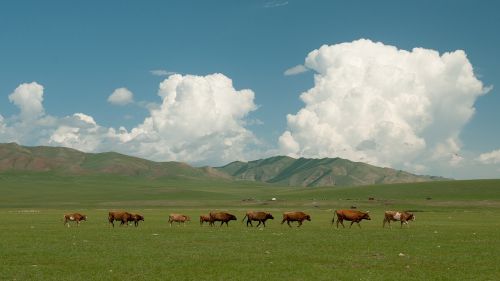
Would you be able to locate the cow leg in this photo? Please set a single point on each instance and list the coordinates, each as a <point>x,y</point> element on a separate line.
<point>288,222</point>
<point>260,223</point>
<point>358,224</point>
<point>283,221</point>
<point>221,223</point>
<point>300,223</point>
<point>351,224</point>
<point>341,222</point>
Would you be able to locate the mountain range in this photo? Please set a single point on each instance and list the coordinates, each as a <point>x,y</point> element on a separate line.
<point>280,170</point>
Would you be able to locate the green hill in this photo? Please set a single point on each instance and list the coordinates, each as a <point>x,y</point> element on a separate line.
<point>67,161</point>
<point>285,170</point>
<point>279,170</point>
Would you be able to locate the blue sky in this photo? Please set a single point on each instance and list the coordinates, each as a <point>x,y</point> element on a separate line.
<point>80,52</point>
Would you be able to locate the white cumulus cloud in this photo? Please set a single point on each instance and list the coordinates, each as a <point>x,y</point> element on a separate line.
<point>121,96</point>
<point>200,120</point>
<point>492,157</point>
<point>376,103</point>
<point>28,97</point>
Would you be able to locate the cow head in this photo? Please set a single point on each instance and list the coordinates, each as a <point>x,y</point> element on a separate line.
<point>409,216</point>
<point>308,217</point>
<point>232,217</point>
<point>139,217</point>
<point>84,218</point>
<point>269,216</point>
<point>366,216</point>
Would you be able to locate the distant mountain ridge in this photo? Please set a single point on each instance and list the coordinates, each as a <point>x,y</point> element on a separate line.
<point>280,170</point>
<point>285,170</point>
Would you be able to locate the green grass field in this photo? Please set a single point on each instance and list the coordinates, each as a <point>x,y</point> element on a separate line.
<point>456,235</point>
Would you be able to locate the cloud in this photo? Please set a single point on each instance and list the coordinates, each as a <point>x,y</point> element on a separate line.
<point>201,120</point>
<point>378,104</point>
<point>161,72</point>
<point>28,97</point>
<point>121,96</point>
<point>295,70</point>
<point>80,131</point>
<point>492,157</point>
<point>275,4</point>
<point>2,125</point>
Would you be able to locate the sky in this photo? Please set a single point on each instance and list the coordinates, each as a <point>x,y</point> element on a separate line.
<point>410,85</point>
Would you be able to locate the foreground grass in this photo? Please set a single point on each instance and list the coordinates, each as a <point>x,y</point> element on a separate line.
<point>455,235</point>
<point>444,245</point>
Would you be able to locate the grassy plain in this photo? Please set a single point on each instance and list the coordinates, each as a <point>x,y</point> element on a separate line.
<point>456,235</point>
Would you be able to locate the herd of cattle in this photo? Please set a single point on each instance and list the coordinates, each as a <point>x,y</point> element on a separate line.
<point>354,216</point>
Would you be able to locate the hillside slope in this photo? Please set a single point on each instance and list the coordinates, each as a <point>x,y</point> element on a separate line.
<point>285,170</point>
<point>67,161</point>
<point>280,170</point>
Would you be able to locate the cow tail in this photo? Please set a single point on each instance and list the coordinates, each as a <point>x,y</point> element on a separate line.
<point>333,218</point>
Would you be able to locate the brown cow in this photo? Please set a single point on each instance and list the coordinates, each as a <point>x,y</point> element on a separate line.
<point>205,218</point>
<point>403,217</point>
<point>178,218</point>
<point>135,218</point>
<point>123,217</point>
<point>223,217</point>
<point>74,217</point>
<point>261,217</point>
<point>353,216</point>
<point>295,216</point>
